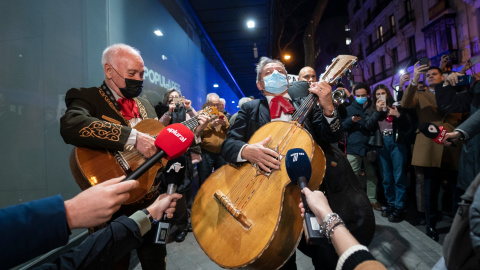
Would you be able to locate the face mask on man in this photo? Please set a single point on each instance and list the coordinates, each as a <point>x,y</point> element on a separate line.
<point>275,83</point>
<point>361,100</point>
<point>132,88</point>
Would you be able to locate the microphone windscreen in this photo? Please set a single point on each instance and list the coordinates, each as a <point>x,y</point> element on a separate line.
<point>298,164</point>
<point>428,129</point>
<point>174,140</point>
<point>175,171</point>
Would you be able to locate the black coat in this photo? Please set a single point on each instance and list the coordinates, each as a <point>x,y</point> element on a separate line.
<point>358,133</point>
<point>449,101</point>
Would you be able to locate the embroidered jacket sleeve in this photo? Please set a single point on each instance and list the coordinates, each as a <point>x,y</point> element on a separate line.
<point>91,120</point>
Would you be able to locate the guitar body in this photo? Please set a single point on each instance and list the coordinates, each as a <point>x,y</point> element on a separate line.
<point>93,166</point>
<point>272,224</point>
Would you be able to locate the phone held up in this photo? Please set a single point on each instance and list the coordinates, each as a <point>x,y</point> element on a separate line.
<point>465,79</point>
<point>424,61</point>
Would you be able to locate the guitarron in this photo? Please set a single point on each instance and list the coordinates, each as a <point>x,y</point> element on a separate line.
<point>244,217</point>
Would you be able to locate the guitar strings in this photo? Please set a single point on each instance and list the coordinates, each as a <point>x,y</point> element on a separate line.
<point>250,180</point>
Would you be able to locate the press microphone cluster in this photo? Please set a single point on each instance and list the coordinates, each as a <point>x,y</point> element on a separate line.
<point>299,170</point>
<point>434,132</point>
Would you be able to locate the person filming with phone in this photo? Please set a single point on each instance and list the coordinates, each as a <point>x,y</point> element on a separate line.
<point>449,99</point>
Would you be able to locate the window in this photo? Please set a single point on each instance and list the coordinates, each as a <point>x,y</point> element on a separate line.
<point>394,57</point>
<point>408,6</point>
<point>373,68</point>
<point>392,23</point>
<point>380,33</point>
<point>370,41</point>
<point>382,63</point>
<point>413,49</point>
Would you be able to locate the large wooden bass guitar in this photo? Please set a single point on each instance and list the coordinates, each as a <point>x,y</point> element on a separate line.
<point>244,217</point>
<point>93,166</point>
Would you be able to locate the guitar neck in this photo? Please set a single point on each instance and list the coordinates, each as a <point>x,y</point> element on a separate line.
<point>191,123</point>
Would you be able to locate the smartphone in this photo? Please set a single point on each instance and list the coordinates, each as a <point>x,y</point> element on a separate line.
<point>424,61</point>
<point>384,99</point>
<point>220,117</point>
<point>463,80</point>
<point>178,100</point>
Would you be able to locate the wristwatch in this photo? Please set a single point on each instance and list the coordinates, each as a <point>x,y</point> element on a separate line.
<point>149,216</point>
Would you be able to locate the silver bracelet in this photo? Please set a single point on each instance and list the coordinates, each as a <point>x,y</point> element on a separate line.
<point>329,233</point>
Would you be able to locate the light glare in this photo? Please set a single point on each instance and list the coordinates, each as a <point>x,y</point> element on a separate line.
<point>251,24</point>
<point>158,33</point>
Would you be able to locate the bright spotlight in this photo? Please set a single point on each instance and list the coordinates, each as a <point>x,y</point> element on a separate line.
<point>158,33</point>
<point>287,56</point>
<point>251,24</point>
<point>215,85</point>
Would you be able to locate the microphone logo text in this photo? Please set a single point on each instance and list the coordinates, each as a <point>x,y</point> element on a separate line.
<point>176,133</point>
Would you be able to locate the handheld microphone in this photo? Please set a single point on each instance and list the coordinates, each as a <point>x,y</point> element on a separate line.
<point>172,142</point>
<point>434,132</point>
<point>173,176</point>
<point>299,170</point>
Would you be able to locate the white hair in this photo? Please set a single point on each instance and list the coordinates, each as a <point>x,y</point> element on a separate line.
<point>210,95</point>
<point>243,100</point>
<point>223,101</point>
<point>112,50</point>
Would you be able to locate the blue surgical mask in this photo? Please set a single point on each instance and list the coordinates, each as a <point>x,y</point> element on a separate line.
<point>361,100</point>
<point>275,83</point>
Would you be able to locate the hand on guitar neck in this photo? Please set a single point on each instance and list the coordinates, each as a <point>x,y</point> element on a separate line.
<point>324,92</point>
<point>264,157</point>
<point>202,123</point>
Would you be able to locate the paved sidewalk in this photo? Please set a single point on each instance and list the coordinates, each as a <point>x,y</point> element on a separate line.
<point>396,245</point>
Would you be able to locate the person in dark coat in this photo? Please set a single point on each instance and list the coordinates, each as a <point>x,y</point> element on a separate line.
<point>358,125</point>
<point>340,183</point>
<point>467,101</point>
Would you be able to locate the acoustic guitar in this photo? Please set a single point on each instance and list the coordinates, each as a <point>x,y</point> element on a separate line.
<point>93,166</point>
<point>245,217</point>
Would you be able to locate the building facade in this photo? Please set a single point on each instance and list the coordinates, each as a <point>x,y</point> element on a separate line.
<point>390,36</point>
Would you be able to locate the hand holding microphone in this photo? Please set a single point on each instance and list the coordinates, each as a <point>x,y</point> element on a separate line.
<point>434,132</point>
<point>299,171</point>
<point>172,142</point>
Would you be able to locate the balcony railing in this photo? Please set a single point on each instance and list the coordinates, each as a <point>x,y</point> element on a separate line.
<point>382,40</point>
<point>382,4</point>
<point>409,17</point>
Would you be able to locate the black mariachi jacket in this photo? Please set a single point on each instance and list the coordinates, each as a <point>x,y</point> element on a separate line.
<point>93,118</point>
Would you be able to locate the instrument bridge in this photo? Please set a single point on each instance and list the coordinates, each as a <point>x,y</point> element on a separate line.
<point>232,209</point>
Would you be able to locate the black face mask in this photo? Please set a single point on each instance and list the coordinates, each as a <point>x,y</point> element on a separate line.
<point>132,88</point>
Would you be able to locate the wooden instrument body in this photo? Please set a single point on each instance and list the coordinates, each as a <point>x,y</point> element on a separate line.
<point>94,166</point>
<point>276,223</point>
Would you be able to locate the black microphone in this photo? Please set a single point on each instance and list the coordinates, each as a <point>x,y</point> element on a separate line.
<point>174,177</point>
<point>172,142</point>
<point>299,170</point>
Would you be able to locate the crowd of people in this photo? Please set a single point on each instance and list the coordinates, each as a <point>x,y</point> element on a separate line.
<point>373,153</point>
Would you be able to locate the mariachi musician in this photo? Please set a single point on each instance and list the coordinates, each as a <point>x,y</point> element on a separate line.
<point>104,117</point>
<point>325,127</point>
